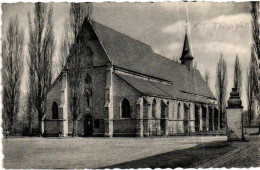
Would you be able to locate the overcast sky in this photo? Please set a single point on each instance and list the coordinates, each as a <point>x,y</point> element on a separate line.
<point>214,28</point>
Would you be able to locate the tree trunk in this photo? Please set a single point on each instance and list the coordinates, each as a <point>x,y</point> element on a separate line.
<point>12,127</point>
<point>12,124</point>
<point>249,119</point>
<point>30,127</point>
<point>40,126</point>
<point>73,124</point>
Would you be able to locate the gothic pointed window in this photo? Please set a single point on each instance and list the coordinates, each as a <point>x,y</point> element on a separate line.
<point>88,88</point>
<point>179,111</point>
<point>55,111</point>
<point>89,56</point>
<point>164,110</point>
<point>186,112</point>
<point>153,109</point>
<point>125,108</point>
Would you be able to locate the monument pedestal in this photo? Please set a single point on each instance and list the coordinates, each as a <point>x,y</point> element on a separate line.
<point>234,117</point>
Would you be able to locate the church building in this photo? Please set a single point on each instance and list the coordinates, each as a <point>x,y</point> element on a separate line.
<point>131,91</point>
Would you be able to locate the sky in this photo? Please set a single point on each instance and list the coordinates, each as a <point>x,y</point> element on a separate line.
<point>213,29</point>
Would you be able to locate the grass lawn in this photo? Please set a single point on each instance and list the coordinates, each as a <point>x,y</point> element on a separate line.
<point>106,152</point>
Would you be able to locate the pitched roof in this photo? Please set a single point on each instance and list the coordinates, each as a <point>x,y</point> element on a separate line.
<point>134,55</point>
<point>186,51</point>
<point>149,88</point>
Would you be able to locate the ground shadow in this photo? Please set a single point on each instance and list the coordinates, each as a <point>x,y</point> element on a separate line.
<point>186,158</point>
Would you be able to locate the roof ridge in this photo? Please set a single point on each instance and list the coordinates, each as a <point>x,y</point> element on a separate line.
<point>131,54</point>
<point>121,33</point>
<point>149,46</point>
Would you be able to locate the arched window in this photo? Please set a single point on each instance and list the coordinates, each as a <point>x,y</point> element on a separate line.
<point>88,88</point>
<point>164,110</point>
<point>179,111</point>
<point>153,108</point>
<point>125,108</point>
<point>88,81</point>
<point>55,111</point>
<point>186,112</point>
<point>89,56</point>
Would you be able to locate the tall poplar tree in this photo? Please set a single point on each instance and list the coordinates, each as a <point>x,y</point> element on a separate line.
<point>237,75</point>
<point>41,51</point>
<point>12,56</point>
<point>221,88</point>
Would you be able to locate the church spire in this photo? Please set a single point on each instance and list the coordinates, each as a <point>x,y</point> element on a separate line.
<point>186,57</point>
<point>186,52</point>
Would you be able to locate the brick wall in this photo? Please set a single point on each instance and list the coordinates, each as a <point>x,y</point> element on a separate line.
<point>54,95</point>
<point>123,90</point>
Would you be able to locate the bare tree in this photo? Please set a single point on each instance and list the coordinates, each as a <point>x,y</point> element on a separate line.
<point>41,50</point>
<point>29,105</point>
<point>75,92</point>
<point>256,45</point>
<point>64,49</point>
<point>12,70</point>
<point>22,117</point>
<point>221,88</point>
<point>78,13</point>
<point>250,88</point>
<point>207,77</point>
<point>258,123</point>
<point>237,75</point>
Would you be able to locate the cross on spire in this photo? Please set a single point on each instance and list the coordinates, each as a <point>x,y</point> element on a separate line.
<point>186,27</point>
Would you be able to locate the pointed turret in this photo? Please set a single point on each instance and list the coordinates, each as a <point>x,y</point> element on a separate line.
<point>186,52</point>
<point>186,57</point>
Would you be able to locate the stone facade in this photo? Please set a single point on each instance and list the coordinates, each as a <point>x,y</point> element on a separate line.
<point>171,117</point>
<point>114,107</point>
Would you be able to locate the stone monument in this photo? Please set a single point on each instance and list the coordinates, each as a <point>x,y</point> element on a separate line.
<point>234,117</point>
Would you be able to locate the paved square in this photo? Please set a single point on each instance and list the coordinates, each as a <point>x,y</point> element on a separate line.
<point>89,152</point>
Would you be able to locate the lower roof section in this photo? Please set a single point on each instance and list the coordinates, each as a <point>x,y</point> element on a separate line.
<point>150,88</point>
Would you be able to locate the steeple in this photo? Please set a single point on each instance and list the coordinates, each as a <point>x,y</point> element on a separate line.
<point>186,51</point>
<point>186,57</point>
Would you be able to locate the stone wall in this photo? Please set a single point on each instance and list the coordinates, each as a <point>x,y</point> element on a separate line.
<point>121,90</point>
<point>184,124</point>
<point>54,95</point>
<point>53,127</point>
<point>97,102</point>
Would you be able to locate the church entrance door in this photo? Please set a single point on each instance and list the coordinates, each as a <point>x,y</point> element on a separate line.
<point>88,125</point>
